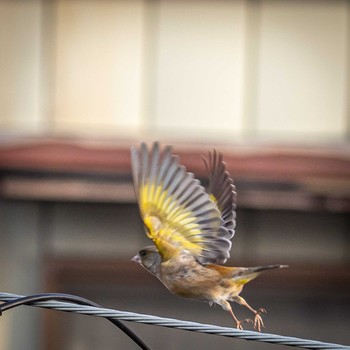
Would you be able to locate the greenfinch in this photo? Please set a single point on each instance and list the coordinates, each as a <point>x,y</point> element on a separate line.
<point>191,229</point>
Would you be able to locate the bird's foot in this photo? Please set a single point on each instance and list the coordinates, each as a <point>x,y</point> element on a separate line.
<point>239,323</point>
<point>258,321</point>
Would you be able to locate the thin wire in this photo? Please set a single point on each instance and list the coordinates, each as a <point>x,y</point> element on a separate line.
<point>31,300</point>
<point>184,325</point>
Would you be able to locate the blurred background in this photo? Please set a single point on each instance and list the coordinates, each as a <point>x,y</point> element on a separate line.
<point>266,82</point>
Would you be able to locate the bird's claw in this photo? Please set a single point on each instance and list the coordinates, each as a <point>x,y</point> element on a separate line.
<point>258,321</point>
<point>239,323</point>
<point>248,320</point>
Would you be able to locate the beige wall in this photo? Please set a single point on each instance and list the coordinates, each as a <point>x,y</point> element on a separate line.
<point>303,68</point>
<point>197,69</point>
<point>200,67</point>
<point>20,53</point>
<point>98,65</point>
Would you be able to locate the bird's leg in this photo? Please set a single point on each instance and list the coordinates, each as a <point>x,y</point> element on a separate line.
<point>238,323</point>
<point>226,306</point>
<point>258,321</point>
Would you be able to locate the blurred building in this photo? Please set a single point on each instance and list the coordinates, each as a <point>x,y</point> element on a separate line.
<point>265,82</point>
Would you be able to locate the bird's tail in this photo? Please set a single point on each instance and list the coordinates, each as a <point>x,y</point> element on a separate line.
<point>266,267</point>
<point>245,274</point>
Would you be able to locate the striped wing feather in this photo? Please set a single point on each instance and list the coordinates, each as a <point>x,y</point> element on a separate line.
<point>176,210</point>
<point>222,190</point>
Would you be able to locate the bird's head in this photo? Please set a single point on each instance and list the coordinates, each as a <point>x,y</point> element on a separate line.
<point>149,258</point>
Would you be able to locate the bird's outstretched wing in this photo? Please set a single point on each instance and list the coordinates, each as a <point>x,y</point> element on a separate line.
<point>222,190</point>
<point>176,210</point>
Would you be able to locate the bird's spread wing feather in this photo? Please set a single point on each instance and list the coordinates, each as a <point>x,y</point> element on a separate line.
<point>175,208</point>
<point>222,190</point>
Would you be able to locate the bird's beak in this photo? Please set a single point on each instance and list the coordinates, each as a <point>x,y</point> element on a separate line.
<point>136,259</point>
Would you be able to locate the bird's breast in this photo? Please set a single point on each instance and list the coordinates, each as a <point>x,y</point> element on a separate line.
<point>189,279</point>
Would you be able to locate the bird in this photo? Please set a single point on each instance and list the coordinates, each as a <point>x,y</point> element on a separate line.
<point>191,229</point>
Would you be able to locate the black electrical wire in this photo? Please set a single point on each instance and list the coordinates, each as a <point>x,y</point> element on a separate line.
<point>32,299</point>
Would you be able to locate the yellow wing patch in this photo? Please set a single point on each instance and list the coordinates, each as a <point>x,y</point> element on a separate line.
<point>169,224</point>
<point>213,199</point>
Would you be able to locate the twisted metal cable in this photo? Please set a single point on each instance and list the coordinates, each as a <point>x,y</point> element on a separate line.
<point>30,300</point>
<point>179,324</point>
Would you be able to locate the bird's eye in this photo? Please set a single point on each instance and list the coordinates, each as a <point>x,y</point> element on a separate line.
<point>142,253</point>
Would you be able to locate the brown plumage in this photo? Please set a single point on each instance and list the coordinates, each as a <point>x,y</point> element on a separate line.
<point>191,229</point>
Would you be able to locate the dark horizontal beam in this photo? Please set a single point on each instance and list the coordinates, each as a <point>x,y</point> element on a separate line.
<point>257,161</point>
<point>283,177</point>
